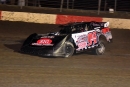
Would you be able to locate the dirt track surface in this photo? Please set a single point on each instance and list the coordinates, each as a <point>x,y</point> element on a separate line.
<point>21,70</point>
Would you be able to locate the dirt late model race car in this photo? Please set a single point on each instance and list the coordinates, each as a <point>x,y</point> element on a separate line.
<point>70,39</point>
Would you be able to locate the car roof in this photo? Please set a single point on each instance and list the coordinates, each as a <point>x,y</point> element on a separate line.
<point>75,23</point>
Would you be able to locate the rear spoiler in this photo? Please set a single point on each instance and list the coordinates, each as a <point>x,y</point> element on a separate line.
<point>106,24</point>
<point>100,24</point>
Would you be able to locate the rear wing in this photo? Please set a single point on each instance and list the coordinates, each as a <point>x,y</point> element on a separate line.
<point>100,24</point>
<point>106,24</point>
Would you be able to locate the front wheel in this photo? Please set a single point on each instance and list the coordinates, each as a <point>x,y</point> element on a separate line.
<point>101,48</point>
<point>69,49</point>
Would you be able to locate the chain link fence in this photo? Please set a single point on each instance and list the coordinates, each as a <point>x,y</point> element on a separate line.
<point>102,5</point>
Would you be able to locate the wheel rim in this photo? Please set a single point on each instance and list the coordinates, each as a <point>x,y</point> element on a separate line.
<point>101,48</point>
<point>69,50</point>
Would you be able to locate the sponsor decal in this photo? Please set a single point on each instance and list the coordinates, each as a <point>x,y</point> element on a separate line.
<point>105,30</point>
<point>43,42</point>
<point>82,45</point>
<point>92,38</point>
<point>85,40</point>
<point>47,37</point>
<point>107,33</point>
<point>82,41</point>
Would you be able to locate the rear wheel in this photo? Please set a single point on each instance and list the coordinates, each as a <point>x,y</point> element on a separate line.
<point>69,49</point>
<point>101,48</point>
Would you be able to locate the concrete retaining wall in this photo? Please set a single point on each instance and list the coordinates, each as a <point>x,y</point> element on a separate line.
<point>118,23</point>
<point>60,19</point>
<point>28,17</point>
<point>0,15</point>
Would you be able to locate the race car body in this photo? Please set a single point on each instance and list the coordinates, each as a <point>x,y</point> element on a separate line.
<point>70,39</point>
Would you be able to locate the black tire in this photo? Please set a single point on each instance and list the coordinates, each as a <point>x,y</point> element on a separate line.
<point>69,49</point>
<point>100,50</point>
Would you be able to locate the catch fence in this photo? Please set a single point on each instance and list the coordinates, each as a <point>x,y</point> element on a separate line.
<point>102,5</point>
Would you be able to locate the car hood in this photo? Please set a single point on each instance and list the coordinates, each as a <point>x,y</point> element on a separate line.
<point>47,40</point>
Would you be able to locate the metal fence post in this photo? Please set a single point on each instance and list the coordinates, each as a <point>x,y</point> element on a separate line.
<point>115,4</point>
<point>105,5</point>
<point>67,4</point>
<point>61,6</point>
<point>26,2</point>
<point>99,6</point>
<point>72,4</point>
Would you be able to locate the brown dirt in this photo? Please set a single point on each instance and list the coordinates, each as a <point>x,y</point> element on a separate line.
<point>20,70</point>
<point>82,70</point>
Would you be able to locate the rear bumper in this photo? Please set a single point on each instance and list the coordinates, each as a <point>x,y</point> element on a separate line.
<point>111,40</point>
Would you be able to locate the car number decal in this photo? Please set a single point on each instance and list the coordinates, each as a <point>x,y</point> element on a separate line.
<point>43,42</point>
<point>85,40</point>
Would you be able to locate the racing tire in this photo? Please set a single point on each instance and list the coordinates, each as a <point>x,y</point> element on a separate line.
<point>100,50</point>
<point>69,49</point>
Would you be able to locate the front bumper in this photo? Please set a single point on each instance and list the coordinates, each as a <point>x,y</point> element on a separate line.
<point>41,51</point>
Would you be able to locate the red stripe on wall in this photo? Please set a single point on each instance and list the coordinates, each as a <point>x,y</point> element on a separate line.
<point>63,19</point>
<point>0,14</point>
